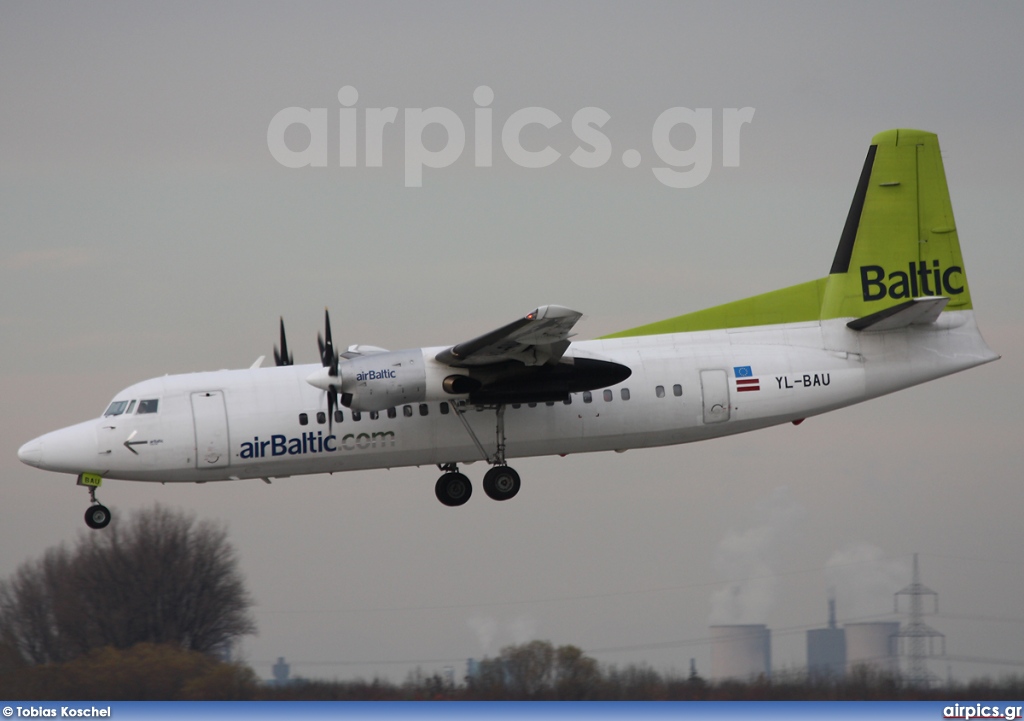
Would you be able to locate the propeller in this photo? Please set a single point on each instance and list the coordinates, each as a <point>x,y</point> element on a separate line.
<point>329,359</point>
<point>283,357</point>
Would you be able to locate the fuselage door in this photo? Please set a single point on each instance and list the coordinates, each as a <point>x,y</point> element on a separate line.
<point>714,385</point>
<point>211,424</point>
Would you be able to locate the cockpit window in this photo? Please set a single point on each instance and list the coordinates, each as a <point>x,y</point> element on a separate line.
<point>116,408</point>
<point>131,407</point>
<point>148,406</point>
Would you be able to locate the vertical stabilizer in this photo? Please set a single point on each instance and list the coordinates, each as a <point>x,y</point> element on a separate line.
<point>900,240</point>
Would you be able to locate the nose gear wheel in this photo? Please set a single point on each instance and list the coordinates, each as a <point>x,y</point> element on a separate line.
<point>97,515</point>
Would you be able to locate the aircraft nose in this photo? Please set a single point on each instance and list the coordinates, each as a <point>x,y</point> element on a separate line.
<point>69,450</point>
<point>32,453</point>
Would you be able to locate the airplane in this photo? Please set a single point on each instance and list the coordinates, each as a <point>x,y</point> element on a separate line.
<point>894,311</point>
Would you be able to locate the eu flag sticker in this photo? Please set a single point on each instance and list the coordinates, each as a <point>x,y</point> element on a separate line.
<point>742,371</point>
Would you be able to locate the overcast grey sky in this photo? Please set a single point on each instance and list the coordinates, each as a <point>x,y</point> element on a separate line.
<point>145,228</point>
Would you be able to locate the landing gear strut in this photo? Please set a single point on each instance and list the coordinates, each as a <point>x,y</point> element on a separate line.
<point>500,482</point>
<point>97,515</point>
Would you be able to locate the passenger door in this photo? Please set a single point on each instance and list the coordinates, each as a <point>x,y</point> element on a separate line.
<point>211,426</point>
<point>714,386</point>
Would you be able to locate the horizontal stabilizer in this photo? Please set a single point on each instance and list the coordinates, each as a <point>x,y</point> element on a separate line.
<point>919,311</point>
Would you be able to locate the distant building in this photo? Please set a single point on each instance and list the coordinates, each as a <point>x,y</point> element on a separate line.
<point>826,649</point>
<point>873,645</point>
<point>741,652</point>
<point>281,671</point>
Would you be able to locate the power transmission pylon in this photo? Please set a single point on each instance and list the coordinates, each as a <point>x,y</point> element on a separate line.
<point>917,639</point>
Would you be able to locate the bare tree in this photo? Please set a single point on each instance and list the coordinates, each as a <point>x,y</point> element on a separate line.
<point>159,577</point>
<point>33,605</point>
<point>528,668</point>
<point>576,674</point>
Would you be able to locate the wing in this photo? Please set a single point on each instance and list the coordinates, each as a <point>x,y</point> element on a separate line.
<point>526,362</point>
<point>540,338</point>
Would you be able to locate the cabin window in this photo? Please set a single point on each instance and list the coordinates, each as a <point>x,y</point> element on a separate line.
<point>407,411</point>
<point>374,415</point>
<point>321,417</point>
<point>588,397</point>
<point>392,412</point>
<point>659,391</point>
<point>424,409</point>
<point>517,405</point>
<point>148,406</point>
<point>532,405</point>
<point>625,394</point>
<point>116,408</point>
<point>549,404</point>
<point>568,401</point>
<point>303,419</point>
<point>339,416</point>
<point>357,416</point>
<point>444,408</point>
<point>607,394</point>
<point>677,390</point>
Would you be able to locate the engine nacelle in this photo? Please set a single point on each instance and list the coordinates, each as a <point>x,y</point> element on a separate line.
<point>383,380</point>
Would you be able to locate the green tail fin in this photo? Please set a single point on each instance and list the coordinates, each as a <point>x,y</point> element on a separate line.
<point>900,240</point>
<point>899,243</point>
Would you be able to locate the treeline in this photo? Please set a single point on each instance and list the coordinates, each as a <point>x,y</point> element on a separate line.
<point>534,671</point>
<point>144,672</point>
<point>538,671</point>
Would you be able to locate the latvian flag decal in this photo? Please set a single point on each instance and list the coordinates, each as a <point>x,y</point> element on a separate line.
<point>745,380</point>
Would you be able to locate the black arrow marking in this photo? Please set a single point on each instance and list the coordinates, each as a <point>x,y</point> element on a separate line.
<point>129,443</point>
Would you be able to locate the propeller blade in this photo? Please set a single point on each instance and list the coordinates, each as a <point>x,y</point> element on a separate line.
<point>329,360</point>
<point>327,355</point>
<point>283,357</point>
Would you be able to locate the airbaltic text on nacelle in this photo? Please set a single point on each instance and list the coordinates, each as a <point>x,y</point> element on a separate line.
<point>376,375</point>
<point>62,712</point>
<point>310,442</point>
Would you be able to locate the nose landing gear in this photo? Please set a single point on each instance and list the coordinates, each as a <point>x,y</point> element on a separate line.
<point>97,515</point>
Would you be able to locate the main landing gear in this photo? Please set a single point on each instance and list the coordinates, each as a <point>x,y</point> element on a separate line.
<point>453,488</point>
<point>97,515</point>
<point>500,482</point>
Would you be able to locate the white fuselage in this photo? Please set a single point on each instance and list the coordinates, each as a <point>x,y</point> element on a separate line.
<point>684,387</point>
